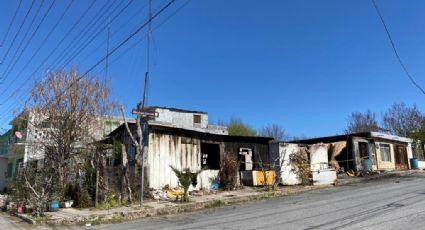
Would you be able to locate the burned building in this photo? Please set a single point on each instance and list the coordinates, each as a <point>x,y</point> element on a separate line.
<point>366,151</point>
<point>184,139</point>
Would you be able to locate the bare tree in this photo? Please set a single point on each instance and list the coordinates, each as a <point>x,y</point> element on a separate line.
<point>273,130</point>
<point>66,115</point>
<point>362,122</point>
<point>402,120</point>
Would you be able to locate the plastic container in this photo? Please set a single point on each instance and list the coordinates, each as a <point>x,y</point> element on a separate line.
<point>414,164</point>
<point>54,206</point>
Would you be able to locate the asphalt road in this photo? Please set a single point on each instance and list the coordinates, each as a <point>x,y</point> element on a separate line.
<point>395,203</point>
<point>12,223</point>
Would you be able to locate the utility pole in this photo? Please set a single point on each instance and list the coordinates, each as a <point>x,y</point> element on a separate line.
<point>143,116</point>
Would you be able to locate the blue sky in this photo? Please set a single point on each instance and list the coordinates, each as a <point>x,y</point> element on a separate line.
<point>303,64</point>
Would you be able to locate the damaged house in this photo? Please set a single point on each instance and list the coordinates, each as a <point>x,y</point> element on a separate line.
<point>184,139</point>
<point>367,151</point>
<point>302,163</point>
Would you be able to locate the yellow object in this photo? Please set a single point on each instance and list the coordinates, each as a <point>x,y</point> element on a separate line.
<point>173,193</point>
<point>259,177</point>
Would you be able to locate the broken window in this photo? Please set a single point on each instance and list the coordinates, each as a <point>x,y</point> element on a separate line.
<point>385,152</point>
<point>210,156</point>
<point>197,119</point>
<point>363,150</point>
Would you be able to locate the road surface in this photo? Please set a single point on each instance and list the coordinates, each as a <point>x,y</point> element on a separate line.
<point>395,203</point>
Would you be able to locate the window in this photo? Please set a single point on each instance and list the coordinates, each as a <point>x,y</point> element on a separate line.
<point>197,119</point>
<point>210,156</point>
<point>385,152</point>
<point>363,150</point>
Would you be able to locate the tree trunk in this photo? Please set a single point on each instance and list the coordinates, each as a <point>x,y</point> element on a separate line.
<point>125,180</point>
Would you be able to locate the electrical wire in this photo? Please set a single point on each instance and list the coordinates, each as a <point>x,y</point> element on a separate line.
<point>11,23</point>
<point>83,46</point>
<point>58,44</point>
<point>92,24</point>
<point>12,64</point>
<point>40,46</point>
<point>128,38</point>
<point>412,80</point>
<point>17,33</point>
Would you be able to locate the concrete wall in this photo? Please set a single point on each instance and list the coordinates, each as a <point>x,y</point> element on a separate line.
<point>181,119</point>
<point>288,174</point>
<point>185,120</point>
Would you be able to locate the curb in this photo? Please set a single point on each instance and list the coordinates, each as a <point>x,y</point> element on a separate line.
<point>25,218</point>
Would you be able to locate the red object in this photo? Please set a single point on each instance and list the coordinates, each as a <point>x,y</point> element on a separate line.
<point>18,134</point>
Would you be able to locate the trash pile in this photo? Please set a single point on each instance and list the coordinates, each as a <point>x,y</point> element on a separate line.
<point>167,193</point>
<point>174,194</point>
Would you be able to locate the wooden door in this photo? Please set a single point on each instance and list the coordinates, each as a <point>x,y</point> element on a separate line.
<point>400,154</point>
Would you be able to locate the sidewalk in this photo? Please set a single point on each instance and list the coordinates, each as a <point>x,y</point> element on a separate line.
<point>92,216</point>
<point>344,179</point>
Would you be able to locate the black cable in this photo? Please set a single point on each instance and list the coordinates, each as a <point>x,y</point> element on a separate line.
<point>81,48</point>
<point>17,33</point>
<point>83,32</point>
<point>11,22</point>
<point>60,42</point>
<point>22,40</point>
<point>154,29</point>
<point>129,37</point>
<point>395,50</point>
<point>120,27</point>
<point>43,42</point>
<point>31,37</point>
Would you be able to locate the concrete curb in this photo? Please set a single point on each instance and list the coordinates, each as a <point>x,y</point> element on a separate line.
<point>25,218</point>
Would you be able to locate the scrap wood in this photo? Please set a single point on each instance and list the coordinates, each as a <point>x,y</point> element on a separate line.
<point>351,173</point>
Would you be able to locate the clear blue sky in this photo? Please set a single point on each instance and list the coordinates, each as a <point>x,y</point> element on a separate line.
<point>303,64</point>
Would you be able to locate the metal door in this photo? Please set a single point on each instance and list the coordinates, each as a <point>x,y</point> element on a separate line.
<point>400,155</point>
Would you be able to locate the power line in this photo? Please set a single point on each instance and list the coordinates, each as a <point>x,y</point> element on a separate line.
<point>17,33</point>
<point>92,23</point>
<point>60,42</point>
<point>154,29</point>
<point>120,27</point>
<point>395,50</point>
<point>31,22</point>
<point>11,22</point>
<point>13,62</point>
<point>128,38</point>
<point>40,46</point>
<point>90,40</point>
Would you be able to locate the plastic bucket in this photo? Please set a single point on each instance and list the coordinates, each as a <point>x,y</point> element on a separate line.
<point>414,163</point>
<point>54,206</point>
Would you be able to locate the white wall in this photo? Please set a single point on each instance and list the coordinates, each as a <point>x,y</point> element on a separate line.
<point>181,119</point>
<point>288,171</point>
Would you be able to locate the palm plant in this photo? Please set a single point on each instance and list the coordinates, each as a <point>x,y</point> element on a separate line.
<point>186,178</point>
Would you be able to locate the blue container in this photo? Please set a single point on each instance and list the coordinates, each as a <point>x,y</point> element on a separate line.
<point>367,164</point>
<point>414,164</point>
<point>54,206</point>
